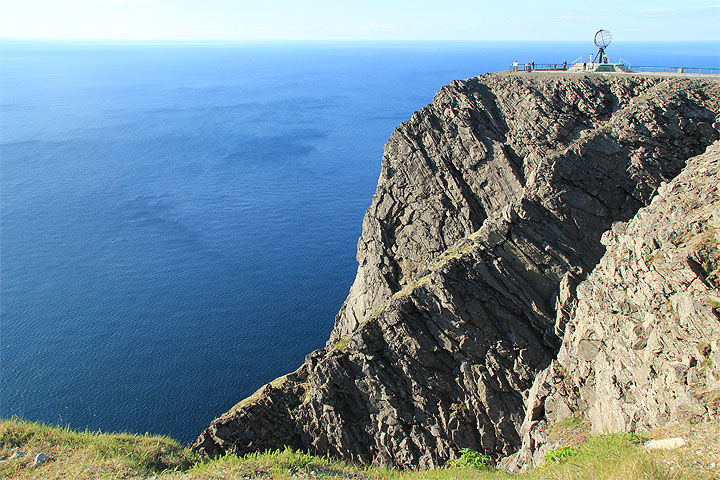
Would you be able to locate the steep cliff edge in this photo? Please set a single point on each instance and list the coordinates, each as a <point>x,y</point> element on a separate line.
<point>643,345</point>
<point>473,150</point>
<point>489,211</point>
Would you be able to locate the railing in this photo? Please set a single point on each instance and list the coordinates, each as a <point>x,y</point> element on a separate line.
<point>549,66</point>
<point>698,70</point>
<point>625,62</point>
<point>529,67</point>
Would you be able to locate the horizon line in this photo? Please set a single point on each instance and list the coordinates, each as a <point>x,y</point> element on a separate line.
<point>325,40</point>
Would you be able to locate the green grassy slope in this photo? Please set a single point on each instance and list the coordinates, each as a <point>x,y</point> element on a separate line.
<point>96,455</point>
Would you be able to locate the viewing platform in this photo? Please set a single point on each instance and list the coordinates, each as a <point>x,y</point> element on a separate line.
<point>578,66</point>
<point>599,64</point>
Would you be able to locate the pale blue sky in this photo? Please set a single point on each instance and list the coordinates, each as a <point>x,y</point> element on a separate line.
<point>628,20</point>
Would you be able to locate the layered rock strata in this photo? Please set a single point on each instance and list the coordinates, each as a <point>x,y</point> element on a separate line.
<point>472,151</point>
<point>489,211</point>
<point>643,345</point>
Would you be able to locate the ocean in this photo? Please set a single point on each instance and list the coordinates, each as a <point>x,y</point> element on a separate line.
<point>179,221</point>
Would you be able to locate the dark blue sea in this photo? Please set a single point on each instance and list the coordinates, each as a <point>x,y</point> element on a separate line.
<point>179,221</point>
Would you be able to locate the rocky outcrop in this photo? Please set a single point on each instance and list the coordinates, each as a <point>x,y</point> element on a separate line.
<point>643,346</point>
<point>260,422</point>
<point>489,212</point>
<point>472,151</point>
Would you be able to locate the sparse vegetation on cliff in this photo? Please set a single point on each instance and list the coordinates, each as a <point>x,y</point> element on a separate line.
<point>93,455</point>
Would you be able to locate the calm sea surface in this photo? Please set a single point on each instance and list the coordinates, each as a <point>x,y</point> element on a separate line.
<point>179,221</point>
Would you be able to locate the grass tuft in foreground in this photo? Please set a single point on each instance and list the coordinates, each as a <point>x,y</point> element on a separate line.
<point>85,454</point>
<point>96,455</point>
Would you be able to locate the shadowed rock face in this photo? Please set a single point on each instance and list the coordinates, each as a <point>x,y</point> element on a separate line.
<point>643,345</point>
<point>489,211</point>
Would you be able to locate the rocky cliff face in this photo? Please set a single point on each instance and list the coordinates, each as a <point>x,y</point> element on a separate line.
<point>643,345</point>
<point>472,151</point>
<point>489,212</point>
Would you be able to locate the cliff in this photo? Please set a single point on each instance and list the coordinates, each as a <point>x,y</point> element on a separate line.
<point>489,212</point>
<point>643,346</point>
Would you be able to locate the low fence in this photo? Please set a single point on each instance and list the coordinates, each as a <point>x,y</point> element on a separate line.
<point>549,66</point>
<point>698,70</point>
<point>532,67</point>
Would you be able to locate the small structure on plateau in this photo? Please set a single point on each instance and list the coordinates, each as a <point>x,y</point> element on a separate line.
<point>600,62</point>
<point>602,40</point>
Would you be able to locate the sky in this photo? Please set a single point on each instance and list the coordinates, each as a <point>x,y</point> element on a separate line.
<point>237,20</point>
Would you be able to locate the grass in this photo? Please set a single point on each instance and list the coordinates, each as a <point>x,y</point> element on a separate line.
<point>277,383</point>
<point>715,304</point>
<point>458,408</point>
<point>408,289</point>
<point>96,455</point>
<point>558,455</point>
<point>85,454</point>
<point>342,343</point>
<point>617,456</point>
<point>471,459</point>
<point>572,431</point>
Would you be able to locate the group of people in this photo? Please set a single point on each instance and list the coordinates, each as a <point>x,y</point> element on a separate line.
<point>527,66</point>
